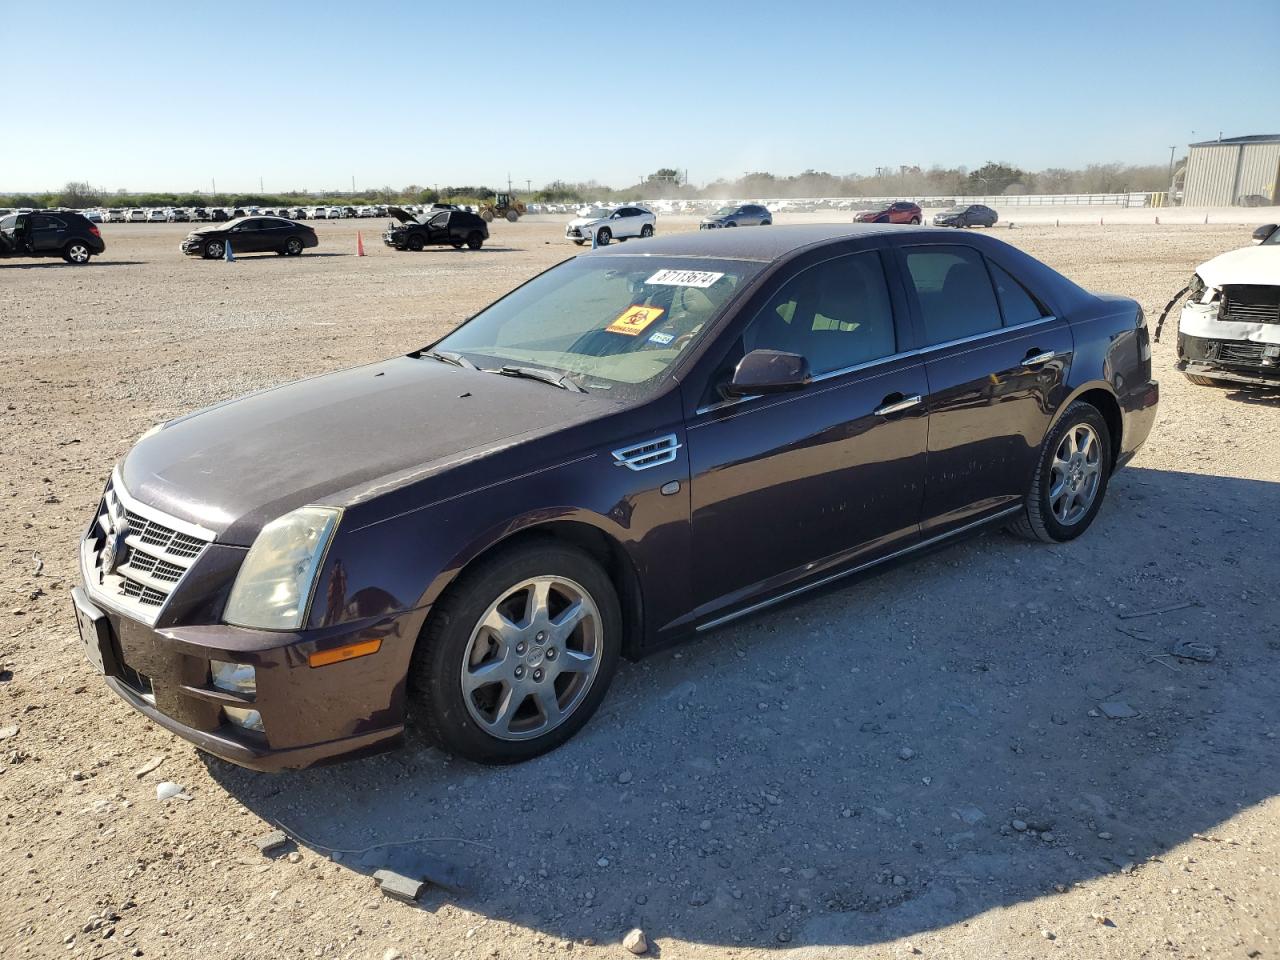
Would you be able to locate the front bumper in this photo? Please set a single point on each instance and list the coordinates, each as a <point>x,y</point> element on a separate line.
<point>310,715</point>
<point>1240,361</point>
<point>711,225</point>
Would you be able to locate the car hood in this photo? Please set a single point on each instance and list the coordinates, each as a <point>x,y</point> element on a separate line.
<point>1260,265</point>
<point>587,221</point>
<point>337,439</point>
<point>404,216</point>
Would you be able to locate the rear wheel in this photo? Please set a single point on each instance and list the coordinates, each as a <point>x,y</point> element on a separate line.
<point>214,249</point>
<point>518,654</point>
<point>293,246</point>
<point>415,243</point>
<point>475,240</point>
<point>646,231</point>
<point>512,216</point>
<point>1070,479</point>
<point>915,221</point>
<point>77,252</point>
<point>579,243</point>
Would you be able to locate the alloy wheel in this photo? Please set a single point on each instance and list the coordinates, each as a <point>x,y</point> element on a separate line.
<point>78,253</point>
<point>1075,474</point>
<point>532,658</point>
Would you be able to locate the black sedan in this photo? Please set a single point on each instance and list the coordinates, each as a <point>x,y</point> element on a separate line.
<point>250,235</point>
<point>971,215</point>
<point>453,228</point>
<point>630,448</point>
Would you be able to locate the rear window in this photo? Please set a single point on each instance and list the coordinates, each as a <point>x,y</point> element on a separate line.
<point>954,292</point>
<point>1018,305</point>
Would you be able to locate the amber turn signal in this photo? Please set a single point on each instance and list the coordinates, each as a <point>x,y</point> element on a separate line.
<point>322,658</point>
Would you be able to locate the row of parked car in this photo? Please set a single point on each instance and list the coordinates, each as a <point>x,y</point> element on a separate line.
<point>219,214</point>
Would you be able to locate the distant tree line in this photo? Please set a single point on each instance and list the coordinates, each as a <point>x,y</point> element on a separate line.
<point>991,179</point>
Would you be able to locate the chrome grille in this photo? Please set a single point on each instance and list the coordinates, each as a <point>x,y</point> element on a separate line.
<point>134,557</point>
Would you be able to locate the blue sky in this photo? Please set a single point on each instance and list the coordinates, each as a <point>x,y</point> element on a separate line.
<point>172,95</point>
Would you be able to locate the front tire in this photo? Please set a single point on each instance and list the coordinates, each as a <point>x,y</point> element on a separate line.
<point>1071,477</point>
<point>518,654</point>
<point>214,249</point>
<point>1202,381</point>
<point>603,236</point>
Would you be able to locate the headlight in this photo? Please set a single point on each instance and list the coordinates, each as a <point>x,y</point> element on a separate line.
<point>274,586</point>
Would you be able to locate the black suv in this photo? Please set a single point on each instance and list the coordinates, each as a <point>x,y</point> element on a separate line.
<point>452,227</point>
<point>50,233</point>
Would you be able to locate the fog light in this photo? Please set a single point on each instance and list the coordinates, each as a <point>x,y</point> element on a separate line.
<point>245,719</point>
<point>234,677</point>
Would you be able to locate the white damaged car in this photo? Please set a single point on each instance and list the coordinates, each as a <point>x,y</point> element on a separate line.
<point>607,225</point>
<point>1229,329</point>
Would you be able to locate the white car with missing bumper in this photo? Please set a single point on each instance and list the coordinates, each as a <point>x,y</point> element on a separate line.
<point>609,224</point>
<point>1229,329</point>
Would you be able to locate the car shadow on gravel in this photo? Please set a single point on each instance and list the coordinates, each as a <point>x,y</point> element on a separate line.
<point>55,263</point>
<point>1259,396</point>
<point>875,761</point>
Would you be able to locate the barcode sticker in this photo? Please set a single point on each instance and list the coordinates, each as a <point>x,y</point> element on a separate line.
<point>684,278</point>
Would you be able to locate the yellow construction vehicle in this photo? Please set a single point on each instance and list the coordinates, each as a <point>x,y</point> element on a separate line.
<point>503,205</point>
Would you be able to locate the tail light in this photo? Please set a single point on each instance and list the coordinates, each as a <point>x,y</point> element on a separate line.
<point>94,230</point>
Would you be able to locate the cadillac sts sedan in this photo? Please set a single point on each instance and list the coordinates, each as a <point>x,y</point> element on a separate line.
<point>635,446</point>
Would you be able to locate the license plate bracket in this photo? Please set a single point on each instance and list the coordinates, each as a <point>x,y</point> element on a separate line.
<point>95,633</point>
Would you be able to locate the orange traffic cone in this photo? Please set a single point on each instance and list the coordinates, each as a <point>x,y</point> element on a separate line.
<point>359,244</point>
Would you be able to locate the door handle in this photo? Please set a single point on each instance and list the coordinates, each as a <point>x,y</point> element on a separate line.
<point>1038,359</point>
<point>891,405</point>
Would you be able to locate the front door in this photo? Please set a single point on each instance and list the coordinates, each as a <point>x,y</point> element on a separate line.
<point>996,363</point>
<point>787,486</point>
<point>46,234</point>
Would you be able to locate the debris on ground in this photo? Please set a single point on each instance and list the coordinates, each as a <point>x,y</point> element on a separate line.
<point>167,790</point>
<point>1117,710</point>
<point>147,767</point>
<point>1194,650</point>
<point>1167,608</point>
<point>398,887</point>
<point>9,732</point>
<point>636,942</point>
<point>272,841</point>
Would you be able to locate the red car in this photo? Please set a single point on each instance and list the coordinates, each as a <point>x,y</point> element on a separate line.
<point>900,212</point>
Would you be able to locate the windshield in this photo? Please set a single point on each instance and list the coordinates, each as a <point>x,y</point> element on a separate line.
<point>725,211</point>
<point>1273,240</point>
<point>614,324</point>
<point>596,213</point>
<point>955,209</point>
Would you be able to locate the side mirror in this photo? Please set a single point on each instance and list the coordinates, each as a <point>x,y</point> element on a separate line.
<point>1267,229</point>
<point>768,371</point>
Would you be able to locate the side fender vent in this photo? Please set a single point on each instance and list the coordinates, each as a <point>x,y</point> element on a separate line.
<point>650,453</point>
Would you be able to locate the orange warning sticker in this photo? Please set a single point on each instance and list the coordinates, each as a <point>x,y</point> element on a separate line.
<point>633,320</point>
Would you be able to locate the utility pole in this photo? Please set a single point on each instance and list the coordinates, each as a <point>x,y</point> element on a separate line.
<point>528,185</point>
<point>260,190</point>
<point>1171,149</point>
<point>508,181</point>
<point>214,183</point>
<point>353,184</point>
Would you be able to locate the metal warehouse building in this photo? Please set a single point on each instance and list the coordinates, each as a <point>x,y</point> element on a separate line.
<point>1221,172</point>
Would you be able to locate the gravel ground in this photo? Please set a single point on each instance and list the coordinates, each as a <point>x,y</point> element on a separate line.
<point>917,763</point>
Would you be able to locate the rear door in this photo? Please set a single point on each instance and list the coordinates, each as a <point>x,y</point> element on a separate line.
<point>996,363</point>
<point>46,233</point>
<point>789,486</point>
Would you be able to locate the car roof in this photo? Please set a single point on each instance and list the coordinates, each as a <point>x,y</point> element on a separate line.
<point>757,243</point>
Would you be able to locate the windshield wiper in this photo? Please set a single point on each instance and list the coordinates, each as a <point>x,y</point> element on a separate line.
<point>446,356</point>
<point>560,380</point>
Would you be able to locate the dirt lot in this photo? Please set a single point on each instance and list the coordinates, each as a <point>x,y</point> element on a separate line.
<point>917,763</point>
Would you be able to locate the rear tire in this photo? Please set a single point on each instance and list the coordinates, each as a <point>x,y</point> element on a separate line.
<point>293,247</point>
<point>475,240</point>
<point>1070,479</point>
<point>77,253</point>
<point>915,221</point>
<point>646,231</point>
<point>512,216</point>
<point>468,722</point>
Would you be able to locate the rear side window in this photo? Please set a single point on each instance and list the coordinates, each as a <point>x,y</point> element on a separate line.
<point>835,314</point>
<point>954,291</point>
<point>1018,305</point>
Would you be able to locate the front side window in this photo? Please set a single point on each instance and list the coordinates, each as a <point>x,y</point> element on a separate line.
<point>836,314</point>
<point>954,292</point>
<point>614,324</point>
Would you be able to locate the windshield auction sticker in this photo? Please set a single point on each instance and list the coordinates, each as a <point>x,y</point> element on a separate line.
<point>633,320</point>
<point>683,278</point>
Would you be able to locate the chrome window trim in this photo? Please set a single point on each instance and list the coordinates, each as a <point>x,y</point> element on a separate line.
<point>919,352</point>
<point>830,578</point>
